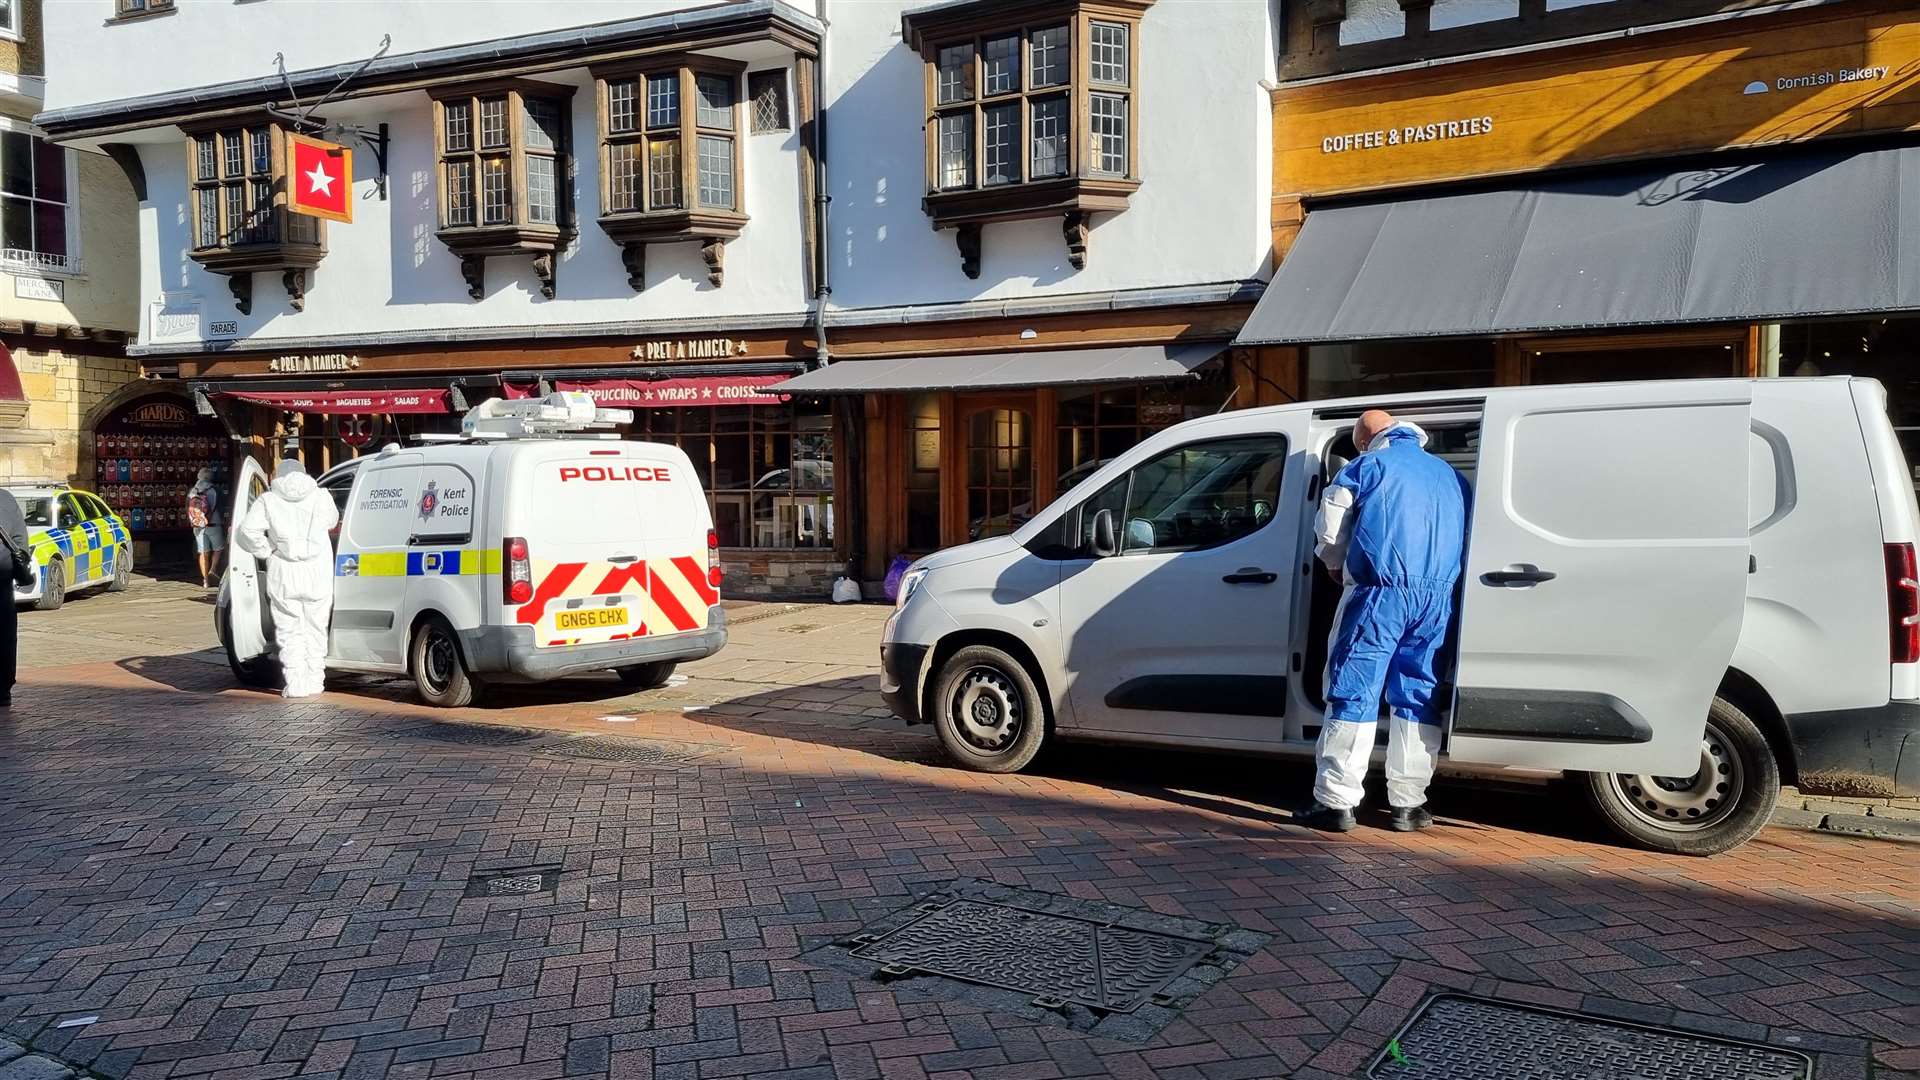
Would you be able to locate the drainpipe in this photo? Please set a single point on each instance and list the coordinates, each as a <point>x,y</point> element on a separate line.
<point>849,412</point>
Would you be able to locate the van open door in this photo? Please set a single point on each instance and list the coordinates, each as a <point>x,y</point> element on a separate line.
<point>247,619</point>
<point>1606,575</point>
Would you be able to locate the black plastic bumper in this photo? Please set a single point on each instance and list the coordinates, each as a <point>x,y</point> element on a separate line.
<point>508,653</point>
<point>900,666</point>
<point>1870,753</point>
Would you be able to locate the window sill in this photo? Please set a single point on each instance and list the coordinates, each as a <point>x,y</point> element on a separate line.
<point>711,229</point>
<point>249,258</point>
<point>476,243</point>
<point>141,16</point>
<point>1074,199</point>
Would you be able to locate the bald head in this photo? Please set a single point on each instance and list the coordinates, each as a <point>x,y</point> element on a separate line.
<point>1371,423</point>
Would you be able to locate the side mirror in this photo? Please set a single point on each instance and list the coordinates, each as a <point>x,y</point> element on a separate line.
<point>1103,543</point>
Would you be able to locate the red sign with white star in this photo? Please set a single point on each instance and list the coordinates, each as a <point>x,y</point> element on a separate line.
<point>319,178</point>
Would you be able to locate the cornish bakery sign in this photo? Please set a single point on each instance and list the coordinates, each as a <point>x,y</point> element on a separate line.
<point>1407,135</point>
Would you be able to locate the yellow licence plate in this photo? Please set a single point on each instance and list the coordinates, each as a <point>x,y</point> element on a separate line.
<point>590,618</point>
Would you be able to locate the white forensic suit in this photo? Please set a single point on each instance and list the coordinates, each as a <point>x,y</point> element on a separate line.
<point>289,526</point>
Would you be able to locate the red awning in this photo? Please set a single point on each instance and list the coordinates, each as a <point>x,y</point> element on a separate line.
<point>703,390</point>
<point>346,401</point>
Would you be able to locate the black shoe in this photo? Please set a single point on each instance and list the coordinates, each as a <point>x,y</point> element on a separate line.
<point>1411,819</point>
<point>1324,818</point>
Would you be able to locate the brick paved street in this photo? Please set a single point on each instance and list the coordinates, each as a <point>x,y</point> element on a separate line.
<point>240,887</point>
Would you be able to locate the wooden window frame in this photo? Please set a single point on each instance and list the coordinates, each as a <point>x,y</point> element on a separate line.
<point>1083,189</point>
<point>126,11</point>
<point>633,228</point>
<point>297,242</point>
<point>480,239</point>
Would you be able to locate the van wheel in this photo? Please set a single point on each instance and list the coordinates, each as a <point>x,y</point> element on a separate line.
<point>53,586</point>
<point>439,674</point>
<point>1716,809</point>
<point>988,711</point>
<point>647,676</point>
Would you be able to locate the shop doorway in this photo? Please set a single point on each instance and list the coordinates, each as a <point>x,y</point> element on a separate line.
<point>998,463</point>
<point>146,454</point>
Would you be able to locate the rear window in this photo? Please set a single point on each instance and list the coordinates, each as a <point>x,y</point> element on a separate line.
<point>607,498</point>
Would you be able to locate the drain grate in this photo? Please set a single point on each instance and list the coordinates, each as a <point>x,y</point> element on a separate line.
<point>1454,1037</point>
<point>471,734</point>
<point>525,881</point>
<point>659,755</point>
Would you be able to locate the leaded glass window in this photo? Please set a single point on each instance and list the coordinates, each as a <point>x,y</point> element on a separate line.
<point>1108,114</point>
<point>956,150</point>
<point>716,172</point>
<point>955,75</point>
<point>1108,44</point>
<point>1049,47</point>
<point>1000,66</point>
<point>1000,144</point>
<point>1049,137</point>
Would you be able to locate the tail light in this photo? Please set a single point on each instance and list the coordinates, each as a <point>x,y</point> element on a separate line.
<point>516,579</point>
<point>715,575</point>
<point>1903,604</point>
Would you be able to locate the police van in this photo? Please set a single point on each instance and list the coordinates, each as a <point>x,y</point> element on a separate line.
<point>1676,595</point>
<point>535,545</point>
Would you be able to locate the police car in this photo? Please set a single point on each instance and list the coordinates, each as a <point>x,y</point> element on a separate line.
<point>535,545</point>
<point>76,543</point>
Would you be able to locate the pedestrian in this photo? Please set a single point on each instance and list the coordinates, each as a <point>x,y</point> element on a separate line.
<point>203,514</point>
<point>16,547</point>
<point>289,526</point>
<point>1392,530</point>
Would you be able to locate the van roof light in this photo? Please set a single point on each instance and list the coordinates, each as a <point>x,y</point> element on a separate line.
<point>569,412</point>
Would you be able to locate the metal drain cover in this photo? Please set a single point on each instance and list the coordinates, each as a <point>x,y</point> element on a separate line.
<point>664,755</point>
<point>1454,1037</point>
<point>472,734</point>
<point>528,881</point>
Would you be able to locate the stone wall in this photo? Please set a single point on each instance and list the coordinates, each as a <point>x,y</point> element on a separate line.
<point>779,575</point>
<point>62,389</point>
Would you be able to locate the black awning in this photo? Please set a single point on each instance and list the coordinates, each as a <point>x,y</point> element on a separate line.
<point>1790,235</point>
<point>1006,370</point>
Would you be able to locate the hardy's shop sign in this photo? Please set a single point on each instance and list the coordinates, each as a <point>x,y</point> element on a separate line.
<point>695,349</point>
<point>300,364</point>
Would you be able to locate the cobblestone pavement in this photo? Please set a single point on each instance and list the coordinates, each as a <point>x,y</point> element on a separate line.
<point>200,880</point>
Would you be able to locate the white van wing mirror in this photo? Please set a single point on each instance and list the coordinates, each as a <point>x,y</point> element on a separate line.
<point>1103,543</point>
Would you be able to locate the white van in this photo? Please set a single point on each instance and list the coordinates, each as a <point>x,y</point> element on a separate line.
<point>1677,593</point>
<point>534,547</point>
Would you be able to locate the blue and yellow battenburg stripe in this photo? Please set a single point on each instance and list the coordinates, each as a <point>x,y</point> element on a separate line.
<point>89,549</point>
<point>449,562</point>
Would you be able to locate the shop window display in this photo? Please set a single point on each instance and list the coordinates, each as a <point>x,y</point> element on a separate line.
<point>767,470</point>
<point>1397,367</point>
<point>1099,424</point>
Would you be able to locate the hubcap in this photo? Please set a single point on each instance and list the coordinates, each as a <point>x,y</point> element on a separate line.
<point>439,661</point>
<point>986,709</point>
<point>1687,803</point>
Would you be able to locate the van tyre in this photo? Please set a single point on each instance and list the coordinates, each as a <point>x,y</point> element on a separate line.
<point>1715,810</point>
<point>53,586</point>
<point>440,674</point>
<point>647,676</point>
<point>988,711</point>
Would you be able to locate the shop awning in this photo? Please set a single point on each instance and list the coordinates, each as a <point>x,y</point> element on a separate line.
<point>692,391</point>
<point>1006,370</point>
<point>346,401</point>
<point>1787,235</point>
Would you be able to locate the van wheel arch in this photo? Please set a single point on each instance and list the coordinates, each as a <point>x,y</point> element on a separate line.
<point>1744,691</point>
<point>422,618</point>
<point>1001,640</point>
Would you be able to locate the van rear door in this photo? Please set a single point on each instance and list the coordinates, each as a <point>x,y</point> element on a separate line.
<point>1606,575</point>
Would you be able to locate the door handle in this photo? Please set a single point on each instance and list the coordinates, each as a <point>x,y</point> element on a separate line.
<point>1518,575</point>
<point>623,559</point>
<point>1251,575</point>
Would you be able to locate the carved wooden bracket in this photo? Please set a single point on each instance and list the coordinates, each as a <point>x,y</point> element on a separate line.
<point>296,282</point>
<point>1074,226</point>
<point>543,268</point>
<point>473,268</point>
<point>967,236</point>
<point>1324,12</point>
<point>241,286</point>
<point>633,256</point>
<point>714,251</point>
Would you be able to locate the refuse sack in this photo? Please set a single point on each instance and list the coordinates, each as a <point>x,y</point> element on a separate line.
<point>846,590</point>
<point>896,570</point>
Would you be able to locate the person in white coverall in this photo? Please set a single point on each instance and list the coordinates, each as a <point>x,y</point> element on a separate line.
<point>1392,529</point>
<point>289,526</point>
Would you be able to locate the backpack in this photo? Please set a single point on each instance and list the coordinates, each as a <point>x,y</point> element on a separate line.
<point>197,510</point>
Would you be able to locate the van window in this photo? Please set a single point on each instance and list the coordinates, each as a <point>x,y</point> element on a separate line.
<point>381,511</point>
<point>1645,474</point>
<point>1194,496</point>
<point>443,514</point>
<point>599,500</point>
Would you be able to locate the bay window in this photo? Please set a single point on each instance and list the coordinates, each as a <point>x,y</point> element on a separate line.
<point>33,204</point>
<point>670,158</point>
<point>505,175</point>
<point>237,214</point>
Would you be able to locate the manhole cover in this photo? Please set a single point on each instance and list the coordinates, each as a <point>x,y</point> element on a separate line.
<point>1462,1038</point>
<point>472,734</point>
<point>799,628</point>
<point>526,881</point>
<point>663,755</point>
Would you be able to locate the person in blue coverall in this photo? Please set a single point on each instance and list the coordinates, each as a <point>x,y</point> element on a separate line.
<point>1392,529</point>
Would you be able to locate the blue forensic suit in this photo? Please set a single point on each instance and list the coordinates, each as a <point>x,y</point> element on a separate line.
<point>1395,522</point>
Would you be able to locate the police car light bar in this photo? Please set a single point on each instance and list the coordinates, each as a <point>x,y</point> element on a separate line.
<point>565,413</point>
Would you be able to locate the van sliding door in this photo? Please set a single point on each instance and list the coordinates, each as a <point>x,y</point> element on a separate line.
<point>1606,575</point>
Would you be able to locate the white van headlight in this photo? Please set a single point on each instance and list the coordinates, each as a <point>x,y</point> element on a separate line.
<point>908,583</point>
